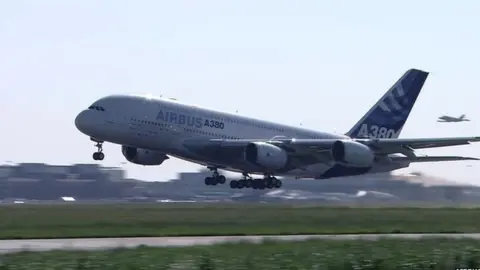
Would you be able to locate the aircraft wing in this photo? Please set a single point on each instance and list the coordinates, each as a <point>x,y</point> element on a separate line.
<point>296,147</point>
<point>421,143</point>
<point>311,151</point>
<point>383,146</point>
<point>432,158</point>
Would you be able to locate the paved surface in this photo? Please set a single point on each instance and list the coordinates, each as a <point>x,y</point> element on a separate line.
<point>7,246</point>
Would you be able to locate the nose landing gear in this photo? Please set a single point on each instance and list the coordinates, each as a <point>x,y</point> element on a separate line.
<point>99,155</point>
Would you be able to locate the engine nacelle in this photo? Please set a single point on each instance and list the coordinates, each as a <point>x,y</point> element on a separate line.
<point>266,155</point>
<point>353,153</point>
<point>143,156</point>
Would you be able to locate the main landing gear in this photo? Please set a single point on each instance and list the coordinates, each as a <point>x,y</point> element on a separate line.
<point>247,181</point>
<point>268,182</point>
<point>99,155</point>
<point>215,179</point>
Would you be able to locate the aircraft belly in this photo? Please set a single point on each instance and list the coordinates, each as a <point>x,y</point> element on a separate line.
<point>310,171</point>
<point>379,168</point>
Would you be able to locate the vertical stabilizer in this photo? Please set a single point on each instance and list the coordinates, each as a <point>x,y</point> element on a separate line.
<point>388,116</point>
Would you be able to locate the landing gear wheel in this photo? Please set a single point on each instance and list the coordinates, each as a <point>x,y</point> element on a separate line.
<point>241,184</point>
<point>246,181</point>
<point>221,179</point>
<point>216,178</point>
<point>211,181</point>
<point>278,184</point>
<point>269,183</point>
<point>98,156</point>
<point>256,183</point>
<point>233,184</point>
<point>261,184</point>
<point>208,181</point>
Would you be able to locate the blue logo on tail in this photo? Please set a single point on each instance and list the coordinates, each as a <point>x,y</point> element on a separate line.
<point>387,118</point>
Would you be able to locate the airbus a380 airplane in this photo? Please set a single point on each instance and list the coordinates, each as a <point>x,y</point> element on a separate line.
<point>151,129</point>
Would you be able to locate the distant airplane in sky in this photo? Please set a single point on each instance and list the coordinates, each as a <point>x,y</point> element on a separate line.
<point>448,119</point>
<point>151,129</point>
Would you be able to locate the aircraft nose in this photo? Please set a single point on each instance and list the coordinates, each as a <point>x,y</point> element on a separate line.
<point>82,121</point>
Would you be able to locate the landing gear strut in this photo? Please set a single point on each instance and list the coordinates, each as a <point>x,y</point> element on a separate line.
<point>215,179</point>
<point>99,155</point>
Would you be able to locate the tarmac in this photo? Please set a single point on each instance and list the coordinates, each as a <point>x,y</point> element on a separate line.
<point>38,245</point>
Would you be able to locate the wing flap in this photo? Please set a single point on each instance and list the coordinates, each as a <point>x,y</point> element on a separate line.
<point>432,158</point>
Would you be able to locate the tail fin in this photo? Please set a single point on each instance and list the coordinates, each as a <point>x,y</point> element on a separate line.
<point>462,116</point>
<point>388,116</point>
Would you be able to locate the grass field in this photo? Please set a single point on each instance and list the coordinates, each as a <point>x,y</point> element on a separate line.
<point>61,221</point>
<point>338,255</point>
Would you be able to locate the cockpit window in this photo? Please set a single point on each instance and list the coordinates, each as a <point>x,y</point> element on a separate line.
<point>97,108</point>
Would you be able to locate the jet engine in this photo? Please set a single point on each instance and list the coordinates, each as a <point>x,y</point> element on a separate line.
<point>266,155</point>
<point>353,153</point>
<point>143,156</point>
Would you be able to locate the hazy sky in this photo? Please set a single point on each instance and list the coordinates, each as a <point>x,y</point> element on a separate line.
<point>319,63</point>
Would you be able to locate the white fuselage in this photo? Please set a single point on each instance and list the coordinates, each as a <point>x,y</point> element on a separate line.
<point>163,125</point>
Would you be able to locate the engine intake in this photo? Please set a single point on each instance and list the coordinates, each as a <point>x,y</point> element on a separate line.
<point>266,155</point>
<point>353,153</point>
<point>143,156</point>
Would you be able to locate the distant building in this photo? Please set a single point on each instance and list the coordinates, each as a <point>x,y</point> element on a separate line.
<point>50,182</point>
<point>39,181</point>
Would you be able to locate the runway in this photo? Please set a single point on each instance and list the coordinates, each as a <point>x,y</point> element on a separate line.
<point>9,246</point>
